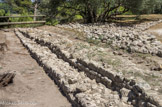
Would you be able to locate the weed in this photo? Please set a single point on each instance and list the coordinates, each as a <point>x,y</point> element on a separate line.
<point>143,55</point>
<point>81,46</point>
<point>101,53</point>
<point>91,55</point>
<point>113,62</point>
<point>93,41</point>
<point>101,37</point>
<point>127,72</point>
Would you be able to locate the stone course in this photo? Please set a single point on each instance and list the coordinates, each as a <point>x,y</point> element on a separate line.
<point>130,91</point>
<point>131,38</point>
<point>78,88</point>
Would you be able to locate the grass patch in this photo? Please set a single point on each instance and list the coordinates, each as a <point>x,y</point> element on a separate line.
<point>127,72</point>
<point>81,46</point>
<point>93,41</point>
<point>143,55</point>
<point>101,53</point>
<point>113,62</point>
<point>91,55</point>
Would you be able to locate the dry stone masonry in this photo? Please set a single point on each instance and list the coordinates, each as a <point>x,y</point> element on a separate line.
<point>84,82</point>
<point>78,88</point>
<point>131,38</point>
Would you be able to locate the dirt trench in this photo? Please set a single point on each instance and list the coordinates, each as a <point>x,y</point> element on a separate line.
<point>31,86</point>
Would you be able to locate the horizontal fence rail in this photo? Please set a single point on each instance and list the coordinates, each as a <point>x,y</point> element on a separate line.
<point>22,16</point>
<point>19,23</point>
<point>7,23</point>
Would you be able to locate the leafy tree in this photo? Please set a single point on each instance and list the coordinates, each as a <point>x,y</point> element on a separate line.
<point>2,12</point>
<point>5,7</point>
<point>99,10</point>
<point>20,6</point>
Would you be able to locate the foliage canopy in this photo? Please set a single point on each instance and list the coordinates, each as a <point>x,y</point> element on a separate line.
<point>20,6</point>
<point>99,10</point>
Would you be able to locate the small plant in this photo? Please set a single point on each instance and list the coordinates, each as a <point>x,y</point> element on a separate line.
<point>101,37</point>
<point>81,46</point>
<point>100,53</point>
<point>143,55</point>
<point>113,62</point>
<point>52,22</point>
<point>108,44</point>
<point>93,41</point>
<point>91,55</point>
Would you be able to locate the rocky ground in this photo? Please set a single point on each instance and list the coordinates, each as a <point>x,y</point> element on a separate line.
<point>100,65</point>
<point>130,38</point>
<point>132,75</point>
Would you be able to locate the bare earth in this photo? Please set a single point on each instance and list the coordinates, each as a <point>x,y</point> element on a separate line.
<point>157,30</point>
<point>31,86</point>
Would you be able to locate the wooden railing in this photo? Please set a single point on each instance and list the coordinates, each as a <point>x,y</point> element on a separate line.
<point>24,22</point>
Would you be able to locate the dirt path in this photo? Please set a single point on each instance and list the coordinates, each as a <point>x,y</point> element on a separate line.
<point>31,87</point>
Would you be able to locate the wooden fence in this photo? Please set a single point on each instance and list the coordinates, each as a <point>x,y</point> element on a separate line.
<point>7,23</point>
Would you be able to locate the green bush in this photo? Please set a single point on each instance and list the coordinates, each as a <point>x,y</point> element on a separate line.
<point>2,12</point>
<point>126,13</point>
<point>25,18</point>
<point>52,22</point>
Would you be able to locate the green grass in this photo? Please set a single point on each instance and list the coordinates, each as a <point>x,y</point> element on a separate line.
<point>143,55</point>
<point>113,62</point>
<point>81,46</point>
<point>90,55</point>
<point>93,41</point>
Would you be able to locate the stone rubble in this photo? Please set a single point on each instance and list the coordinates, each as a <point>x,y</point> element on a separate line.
<point>79,89</point>
<point>130,38</point>
<point>128,87</point>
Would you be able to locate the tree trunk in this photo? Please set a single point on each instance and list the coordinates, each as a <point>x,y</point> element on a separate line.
<point>91,14</point>
<point>35,10</point>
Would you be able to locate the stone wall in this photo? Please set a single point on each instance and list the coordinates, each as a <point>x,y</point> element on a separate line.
<point>131,38</point>
<point>127,88</point>
<point>77,87</point>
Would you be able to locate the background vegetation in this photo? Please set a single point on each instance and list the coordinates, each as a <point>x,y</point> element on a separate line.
<point>92,11</point>
<point>87,11</point>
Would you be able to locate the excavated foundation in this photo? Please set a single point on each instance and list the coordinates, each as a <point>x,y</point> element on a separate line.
<point>126,91</point>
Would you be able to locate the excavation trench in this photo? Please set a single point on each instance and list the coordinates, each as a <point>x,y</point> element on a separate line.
<point>75,96</point>
<point>136,95</point>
